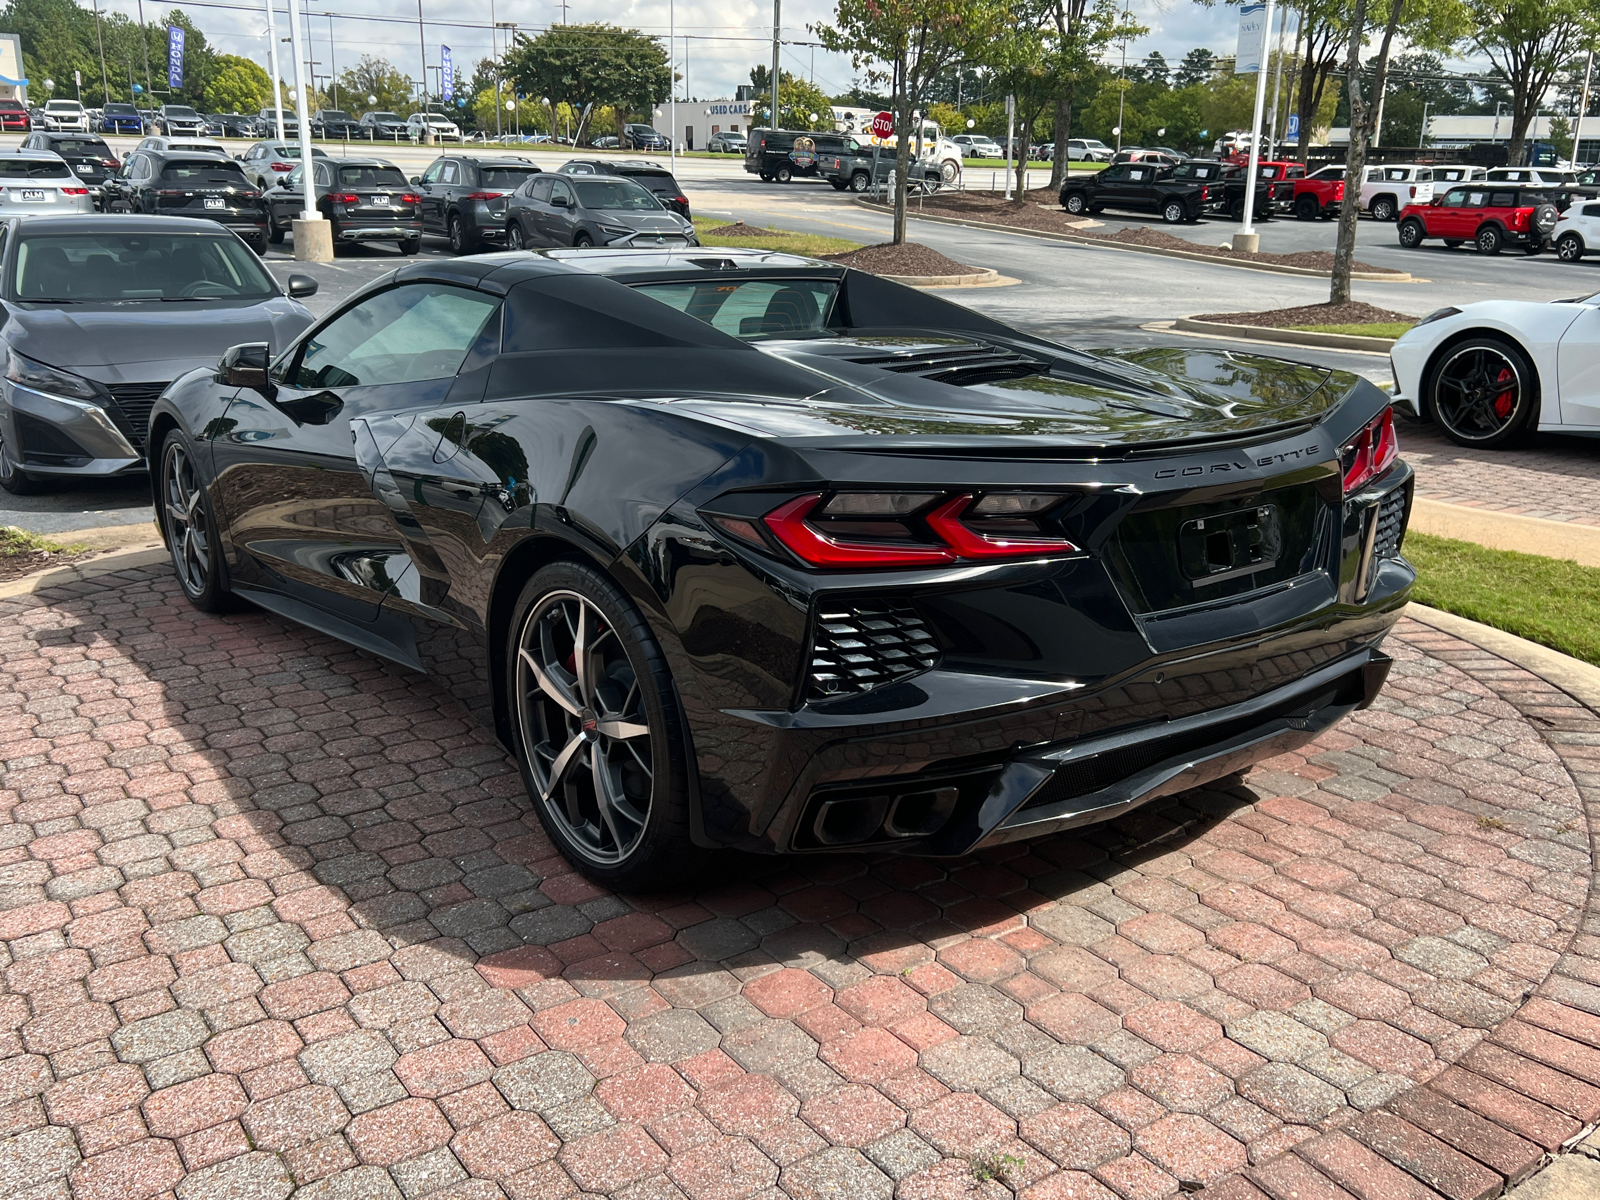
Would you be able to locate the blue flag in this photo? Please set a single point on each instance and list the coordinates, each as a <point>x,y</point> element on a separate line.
<point>447,73</point>
<point>175,56</point>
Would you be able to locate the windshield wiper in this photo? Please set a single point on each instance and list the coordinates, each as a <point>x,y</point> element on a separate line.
<point>189,299</point>
<point>49,300</point>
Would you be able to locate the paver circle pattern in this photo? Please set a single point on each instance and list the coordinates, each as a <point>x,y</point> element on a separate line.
<point>278,919</point>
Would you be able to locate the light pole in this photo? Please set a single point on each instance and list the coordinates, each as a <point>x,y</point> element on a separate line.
<point>422,42</point>
<point>313,237</point>
<point>105,82</point>
<point>272,54</point>
<point>672,89</point>
<point>1583,108</point>
<point>511,34</point>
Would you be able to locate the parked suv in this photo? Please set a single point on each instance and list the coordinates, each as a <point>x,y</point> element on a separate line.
<point>441,126</point>
<point>383,126</point>
<point>643,137</point>
<point>179,120</point>
<point>120,118</point>
<point>1225,187</point>
<point>186,184</point>
<point>267,120</point>
<point>334,125</point>
<point>1577,232</point>
<point>363,200</point>
<point>1088,150</point>
<point>652,176</point>
<point>978,145</point>
<point>456,194</point>
<point>89,157</point>
<point>1389,187</point>
<point>784,154</point>
<point>1141,186</point>
<point>65,116</point>
<point>1489,215</point>
<point>14,117</point>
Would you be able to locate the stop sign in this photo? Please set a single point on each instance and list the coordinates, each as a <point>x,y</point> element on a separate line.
<point>883,125</point>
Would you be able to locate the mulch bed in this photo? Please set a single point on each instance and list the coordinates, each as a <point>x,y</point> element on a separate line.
<point>741,230</point>
<point>908,258</point>
<point>1027,214</point>
<point>1352,312</point>
<point>26,562</point>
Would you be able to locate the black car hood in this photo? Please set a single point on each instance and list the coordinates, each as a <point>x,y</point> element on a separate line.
<point>146,343</point>
<point>939,391</point>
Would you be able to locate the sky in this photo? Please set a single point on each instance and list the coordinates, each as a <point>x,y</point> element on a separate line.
<point>715,47</point>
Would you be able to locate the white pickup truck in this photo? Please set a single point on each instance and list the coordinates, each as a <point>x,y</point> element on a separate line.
<point>1390,187</point>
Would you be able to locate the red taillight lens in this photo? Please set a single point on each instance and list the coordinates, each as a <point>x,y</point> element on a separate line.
<point>481,196</point>
<point>170,192</point>
<point>410,198</point>
<point>277,166</point>
<point>969,543</point>
<point>74,191</point>
<point>680,199</point>
<point>1370,453</point>
<point>343,198</point>
<point>788,523</point>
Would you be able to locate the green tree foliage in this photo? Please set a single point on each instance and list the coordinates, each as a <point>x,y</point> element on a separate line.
<point>1197,66</point>
<point>908,44</point>
<point>1530,41</point>
<point>238,85</point>
<point>1154,69</point>
<point>598,65</point>
<point>798,99</point>
<point>375,77</point>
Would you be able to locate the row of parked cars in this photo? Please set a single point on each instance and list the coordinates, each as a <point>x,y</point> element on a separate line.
<point>180,120</point>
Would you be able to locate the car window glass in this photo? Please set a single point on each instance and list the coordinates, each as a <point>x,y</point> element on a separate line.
<point>409,333</point>
<point>1397,174</point>
<point>505,178</point>
<point>451,174</point>
<point>137,267</point>
<point>1476,199</point>
<point>365,175</point>
<point>615,195</point>
<point>1503,200</point>
<point>1425,175</point>
<point>32,168</point>
<point>539,187</point>
<point>559,189</point>
<point>758,308</point>
<point>1591,210</point>
<point>324,179</point>
<point>435,169</point>
<point>1456,198</point>
<point>200,171</point>
<point>1115,173</point>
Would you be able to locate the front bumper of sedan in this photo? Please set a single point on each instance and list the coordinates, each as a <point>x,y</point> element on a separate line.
<point>60,436</point>
<point>649,240</point>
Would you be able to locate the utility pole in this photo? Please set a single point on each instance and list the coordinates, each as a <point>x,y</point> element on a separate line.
<point>333,67</point>
<point>1277,84</point>
<point>1583,107</point>
<point>105,82</point>
<point>494,56</point>
<point>776,4</point>
<point>272,54</point>
<point>422,41</point>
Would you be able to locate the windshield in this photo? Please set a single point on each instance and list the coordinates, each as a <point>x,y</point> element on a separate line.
<point>365,176</point>
<point>203,171</point>
<point>391,117</point>
<point>33,168</point>
<point>82,146</point>
<point>71,106</point>
<point>436,119</point>
<point>121,110</point>
<point>334,114</point>
<point>127,267</point>
<point>179,110</point>
<point>615,194</point>
<point>509,178</point>
<point>752,309</point>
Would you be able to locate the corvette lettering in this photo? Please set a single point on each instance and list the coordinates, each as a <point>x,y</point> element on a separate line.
<point>1305,452</point>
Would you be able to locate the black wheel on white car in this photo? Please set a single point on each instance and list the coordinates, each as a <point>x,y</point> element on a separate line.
<point>598,732</point>
<point>1483,392</point>
<point>1383,208</point>
<point>1570,247</point>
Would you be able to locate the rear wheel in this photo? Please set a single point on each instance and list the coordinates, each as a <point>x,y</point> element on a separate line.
<point>274,230</point>
<point>784,175</point>
<point>514,237</point>
<point>1412,233</point>
<point>1174,212</point>
<point>458,235</point>
<point>598,732</point>
<point>1569,248</point>
<point>410,245</point>
<point>1490,240</point>
<point>766,176</point>
<point>188,527</point>
<point>860,181</point>
<point>1383,208</point>
<point>582,240</point>
<point>1075,203</point>
<point>1306,208</point>
<point>1483,392</point>
<point>13,478</point>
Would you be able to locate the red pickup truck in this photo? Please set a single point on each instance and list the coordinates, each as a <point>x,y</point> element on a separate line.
<point>1319,194</point>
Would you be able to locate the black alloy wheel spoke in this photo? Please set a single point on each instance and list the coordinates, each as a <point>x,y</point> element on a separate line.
<point>1478,393</point>
<point>185,520</point>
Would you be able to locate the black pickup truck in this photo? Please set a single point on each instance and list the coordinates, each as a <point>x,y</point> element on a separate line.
<point>1145,187</point>
<point>1225,183</point>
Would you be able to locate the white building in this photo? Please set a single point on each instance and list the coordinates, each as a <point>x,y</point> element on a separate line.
<point>13,83</point>
<point>697,120</point>
<point>1465,131</point>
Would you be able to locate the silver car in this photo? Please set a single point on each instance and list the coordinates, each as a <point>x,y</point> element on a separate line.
<point>37,181</point>
<point>552,210</point>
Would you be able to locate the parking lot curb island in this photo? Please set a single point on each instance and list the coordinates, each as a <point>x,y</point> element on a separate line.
<point>1576,678</point>
<point>1507,531</point>
<point>1287,337</point>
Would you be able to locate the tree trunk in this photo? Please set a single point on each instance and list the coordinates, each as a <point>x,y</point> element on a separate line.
<point>1063,134</point>
<point>1024,141</point>
<point>902,148</point>
<point>1355,163</point>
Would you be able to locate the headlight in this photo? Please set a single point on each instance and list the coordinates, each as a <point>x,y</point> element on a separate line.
<point>41,378</point>
<point>1437,314</point>
<point>617,230</point>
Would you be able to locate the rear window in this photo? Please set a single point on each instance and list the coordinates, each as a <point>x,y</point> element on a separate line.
<point>81,146</point>
<point>615,194</point>
<point>368,176</point>
<point>1503,200</point>
<point>1201,171</point>
<point>202,171</point>
<point>753,309</point>
<point>32,168</point>
<point>509,178</point>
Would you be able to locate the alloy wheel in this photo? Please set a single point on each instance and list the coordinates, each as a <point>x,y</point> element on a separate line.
<point>182,498</point>
<point>1478,393</point>
<point>514,237</point>
<point>582,721</point>
<point>1570,248</point>
<point>458,240</point>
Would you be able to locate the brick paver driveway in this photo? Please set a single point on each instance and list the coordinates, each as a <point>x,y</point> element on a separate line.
<point>1556,477</point>
<point>275,917</point>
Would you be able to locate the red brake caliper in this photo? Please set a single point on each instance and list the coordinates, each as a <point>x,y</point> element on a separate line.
<point>1505,401</point>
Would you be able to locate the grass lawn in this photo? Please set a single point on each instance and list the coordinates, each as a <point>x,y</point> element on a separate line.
<point>1552,601</point>
<point>1377,329</point>
<point>774,239</point>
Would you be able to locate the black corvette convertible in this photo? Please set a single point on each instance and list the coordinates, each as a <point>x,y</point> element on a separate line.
<point>739,549</point>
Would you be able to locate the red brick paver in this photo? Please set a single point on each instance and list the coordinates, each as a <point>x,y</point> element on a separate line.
<point>275,915</point>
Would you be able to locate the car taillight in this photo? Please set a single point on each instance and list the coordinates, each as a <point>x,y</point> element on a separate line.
<point>172,192</point>
<point>481,196</point>
<point>74,191</point>
<point>410,198</point>
<point>680,200</point>
<point>278,166</point>
<point>1413,193</point>
<point>343,198</point>
<point>866,530</point>
<point>1370,453</point>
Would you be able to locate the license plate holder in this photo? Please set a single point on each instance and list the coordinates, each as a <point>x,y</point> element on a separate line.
<point>1226,545</point>
<point>34,195</point>
<point>381,201</point>
<point>216,202</point>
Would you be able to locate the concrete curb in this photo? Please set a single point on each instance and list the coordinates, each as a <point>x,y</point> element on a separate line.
<point>983,277</point>
<point>1508,531</point>
<point>1576,678</point>
<point>1172,327</point>
<point>1076,240</point>
<point>106,564</point>
<point>1287,337</point>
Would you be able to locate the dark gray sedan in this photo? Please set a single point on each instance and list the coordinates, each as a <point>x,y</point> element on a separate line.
<point>99,313</point>
<point>550,210</point>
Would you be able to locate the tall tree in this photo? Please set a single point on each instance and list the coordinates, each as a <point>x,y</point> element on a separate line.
<point>1154,69</point>
<point>237,85</point>
<point>909,44</point>
<point>1530,42</point>
<point>1320,36</point>
<point>1362,120</point>
<point>377,77</point>
<point>798,100</point>
<point>1197,66</point>
<point>1084,30</point>
<point>595,65</point>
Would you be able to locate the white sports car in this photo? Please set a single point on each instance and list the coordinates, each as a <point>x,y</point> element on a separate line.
<point>1491,372</point>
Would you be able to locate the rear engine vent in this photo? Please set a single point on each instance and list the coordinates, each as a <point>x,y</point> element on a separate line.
<point>861,644</point>
<point>963,367</point>
<point>1391,524</point>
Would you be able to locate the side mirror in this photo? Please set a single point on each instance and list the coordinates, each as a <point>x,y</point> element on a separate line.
<point>417,180</point>
<point>558,202</point>
<point>301,286</point>
<point>245,365</point>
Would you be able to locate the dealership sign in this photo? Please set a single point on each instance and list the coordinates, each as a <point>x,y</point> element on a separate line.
<point>175,56</point>
<point>447,74</point>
